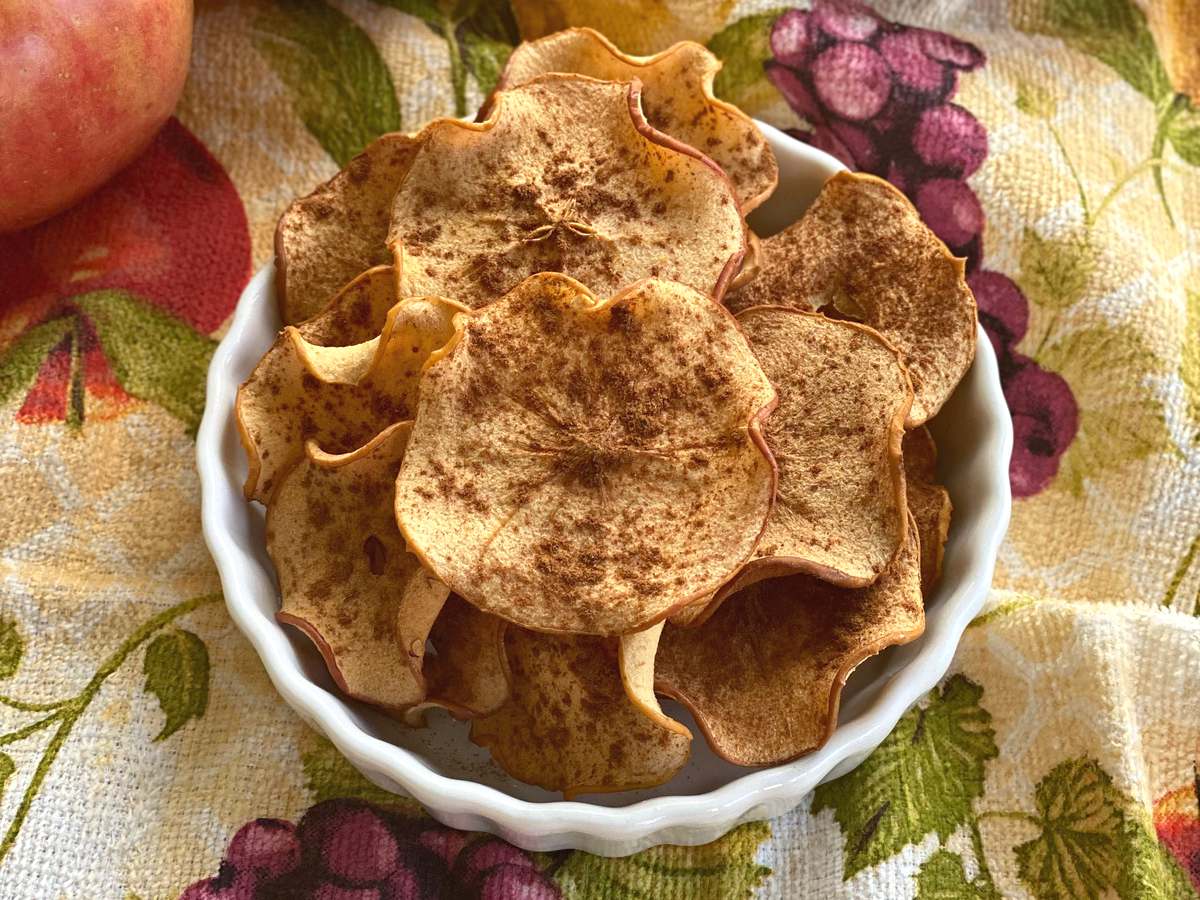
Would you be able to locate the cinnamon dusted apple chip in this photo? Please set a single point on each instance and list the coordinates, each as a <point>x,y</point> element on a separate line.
<point>467,673</point>
<point>357,313</point>
<point>677,96</point>
<point>325,239</point>
<point>345,577</point>
<point>338,396</point>
<point>764,675</point>
<point>565,175</point>
<point>843,396</point>
<point>586,465</point>
<point>862,252</point>
<point>573,724</point>
<point>928,501</point>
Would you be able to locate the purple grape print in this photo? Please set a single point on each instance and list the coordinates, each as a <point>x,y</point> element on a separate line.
<point>877,95</point>
<point>353,850</point>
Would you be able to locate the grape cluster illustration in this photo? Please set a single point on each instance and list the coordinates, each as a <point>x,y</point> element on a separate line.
<point>352,850</point>
<point>878,96</point>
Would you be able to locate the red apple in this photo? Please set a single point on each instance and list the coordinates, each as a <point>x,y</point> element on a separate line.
<point>84,86</point>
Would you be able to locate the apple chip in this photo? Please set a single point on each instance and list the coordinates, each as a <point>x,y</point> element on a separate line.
<point>356,314</point>
<point>843,396</point>
<point>344,575</point>
<point>764,675</point>
<point>677,97</point>
<point>584,465</point>
<point>337,396</point>
<point>340,229</point>
<point>565,176</point>
<point>862,252</point>
<point>928,501</point>
<point>573,724</point>
<point>467,673</point>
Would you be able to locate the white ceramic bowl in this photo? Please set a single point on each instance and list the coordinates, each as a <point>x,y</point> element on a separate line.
<point>453,778</point>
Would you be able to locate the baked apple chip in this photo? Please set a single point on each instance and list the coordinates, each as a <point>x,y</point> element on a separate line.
<point>928,501</point>
<point>337,396</point>
<point>587,465</point>
<point>574,724</point>
<point>862,252</point>
<point>565,175</point>
<point>325,239</point>
<point>764,675</point>
<point>466,674</point>
<point>677,96</point>
<point>843,397</point>
<point>345,577</point>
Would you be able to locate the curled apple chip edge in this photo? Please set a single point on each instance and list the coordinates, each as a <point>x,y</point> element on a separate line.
<point>929,503</point>
<point>324,239</point>
<point>585,465</point>
<point>467,674</point>
<point>763,676</point>
<point>677,96</point>
<point>863,251</point>
<point>338,396</point>
<point>345,577</point>
<point>840,510</point>
<point>574,723</point>
<point>565,175</point>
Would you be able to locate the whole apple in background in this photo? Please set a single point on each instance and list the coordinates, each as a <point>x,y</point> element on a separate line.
<point>84,86</point>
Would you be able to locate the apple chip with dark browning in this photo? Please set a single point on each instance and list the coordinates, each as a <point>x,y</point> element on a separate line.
<point>862,252</point>
<point>565,175</point>
<point>585,465</point>
<point>764,675</point>
<point>338,396</point>
<point>467,673</point>
<point>325,239</point>
<point>928,501</point>
<point>345,577</point>
<point>575,724</point>
<point>677,95</point>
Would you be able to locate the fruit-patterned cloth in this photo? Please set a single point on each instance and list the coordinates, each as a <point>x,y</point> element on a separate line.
<point>1054,143</point>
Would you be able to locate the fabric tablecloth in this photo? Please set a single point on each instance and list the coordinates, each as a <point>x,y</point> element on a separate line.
<point>1058,759</point>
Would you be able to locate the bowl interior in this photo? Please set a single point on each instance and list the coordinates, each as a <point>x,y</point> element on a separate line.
<point>972,439</point>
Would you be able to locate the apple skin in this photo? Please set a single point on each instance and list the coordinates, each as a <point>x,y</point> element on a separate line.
<point>84,86</point>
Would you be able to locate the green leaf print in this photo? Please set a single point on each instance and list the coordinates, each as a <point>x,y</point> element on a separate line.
<point>717,871</point>
<point>12,647</point>
<point>1183,133</point>
<point>329,775</point>
<point>7,768</point>
<point>1115,426</point>
<point>338,82</point>
<point>1035,99</point>
<point>923,778</point>
<point>176,670</point>
<point>1055,271</point>
<point>19,363</point>
<point>1148,870</point>
<point>743,48</point>
<point>1077,854</point>
<point>1112,31</point>
<point>942,877</point>
<point>154,356</point>
<point>1189,369</point>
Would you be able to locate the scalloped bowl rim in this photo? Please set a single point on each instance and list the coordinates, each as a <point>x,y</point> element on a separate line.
<point>606,830</point>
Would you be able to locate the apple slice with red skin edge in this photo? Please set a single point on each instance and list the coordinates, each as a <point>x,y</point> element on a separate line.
<point>467,675</point>
<point>345,577</point>
<point>325,239</point>
<point>565,176</point>
<point>337,396</point>
<point>677,94</point>
<point>764,675</point>
<point>575,722</point>
<point>928,501</point>
<point>862,251</point>
<point>585,465</point>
